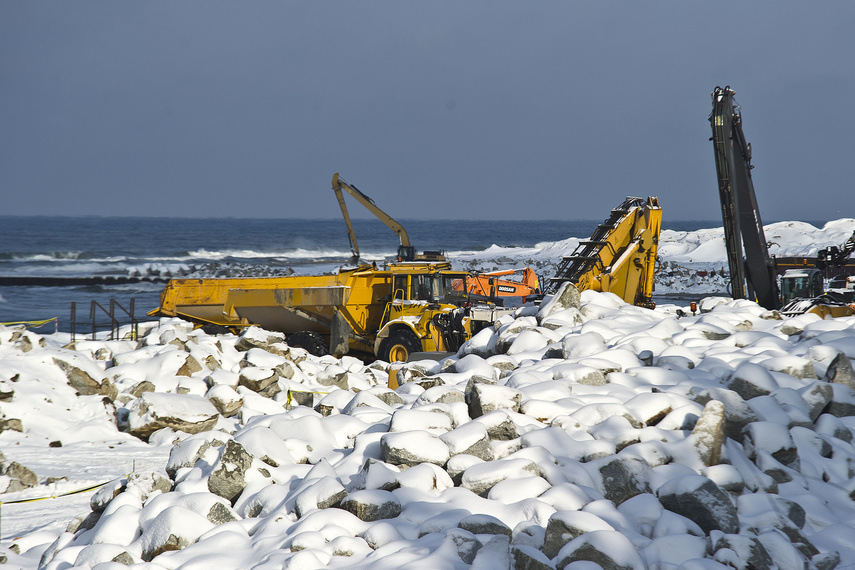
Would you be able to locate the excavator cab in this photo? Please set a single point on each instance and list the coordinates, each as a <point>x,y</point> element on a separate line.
<point>801,284</point>
<point>406,253</point>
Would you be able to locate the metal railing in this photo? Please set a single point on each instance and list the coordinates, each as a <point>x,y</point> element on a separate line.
<point>116,316</point>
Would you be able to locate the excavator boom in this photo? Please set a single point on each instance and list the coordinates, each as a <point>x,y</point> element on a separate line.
<point>491,286</point>
<point>339,184</point>
<point>743,228</point>
<point>621,255</point>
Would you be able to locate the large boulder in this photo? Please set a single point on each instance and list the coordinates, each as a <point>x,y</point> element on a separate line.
<point>622,477</point>
<point>708,433</point>
<point>256,337</point>
<point>84,376</point>
<point>840,371</point>
<point>471,439</point>
<point>527,557</point>
<point>496,553</point>
<point>746,548</point>
<point>564,526</point>
<point>20,477</point>
<point>481,477</point>
<point>228,477</point>
<point>567,297</point>
<point>701,501</point>
<point>320,493</point>
<point>181,412</point>
<point>173,529</point>
<point>11,424</point>
<point>185,453</point>
<point>484,524</point>
<point>771,438</point>
<point>608,548</point>
<point>259,379</point>
<point>227,401</point>
<point>486,398</point>
<point>751,380</point>
<point>409,448</point>
<point>372,505</point>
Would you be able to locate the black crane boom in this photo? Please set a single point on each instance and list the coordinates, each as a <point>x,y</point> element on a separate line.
<point>752,270</point>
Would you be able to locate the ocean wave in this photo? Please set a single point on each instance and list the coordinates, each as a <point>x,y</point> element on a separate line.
<point>41,256</point>
<point>297,253</point>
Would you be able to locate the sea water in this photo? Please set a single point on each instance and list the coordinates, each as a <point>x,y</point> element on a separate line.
<point>156,249</point>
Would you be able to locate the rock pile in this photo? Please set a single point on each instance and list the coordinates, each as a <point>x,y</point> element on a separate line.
<point>581,431</point>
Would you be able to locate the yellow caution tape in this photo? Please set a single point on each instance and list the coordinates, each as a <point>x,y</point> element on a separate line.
<point>31,324</point>
<point>290,399</point>
<point>75,492</point>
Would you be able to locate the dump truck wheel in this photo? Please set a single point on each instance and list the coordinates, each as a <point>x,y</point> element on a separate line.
<point>310,341</point>
<point>398,346</point>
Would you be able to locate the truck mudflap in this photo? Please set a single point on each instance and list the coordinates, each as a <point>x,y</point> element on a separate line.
<point>340,334</point>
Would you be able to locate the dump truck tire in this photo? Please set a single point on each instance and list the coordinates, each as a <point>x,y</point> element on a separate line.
<point>310,341</point>
<point>398,346</point>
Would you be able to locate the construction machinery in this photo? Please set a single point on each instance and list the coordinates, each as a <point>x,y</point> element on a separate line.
<point>406,252</point>
<point>753,274</point>
<point>488,286</point>
<point>833,256</point>
<point>414,304</point>
<point>807,282</point>
<point>391,312</point>
<point>803,289</point>
<point>752,270</point>
<point>620,257</point>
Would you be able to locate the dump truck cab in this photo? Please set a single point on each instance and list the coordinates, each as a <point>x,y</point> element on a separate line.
<point>425,311</point>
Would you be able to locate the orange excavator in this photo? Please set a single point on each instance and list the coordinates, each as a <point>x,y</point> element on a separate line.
<point>489,286</point>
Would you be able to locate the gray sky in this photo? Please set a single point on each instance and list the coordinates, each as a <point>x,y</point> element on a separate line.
<point>472,109</point>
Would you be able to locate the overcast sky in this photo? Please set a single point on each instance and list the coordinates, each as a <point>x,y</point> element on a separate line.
<point>458,109</point>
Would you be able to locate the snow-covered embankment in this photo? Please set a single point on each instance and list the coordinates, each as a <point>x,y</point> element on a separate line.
<point>692,262</point>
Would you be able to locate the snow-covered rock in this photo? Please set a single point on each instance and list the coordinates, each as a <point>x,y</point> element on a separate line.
<point>180,412</point>
<point>593,435</point>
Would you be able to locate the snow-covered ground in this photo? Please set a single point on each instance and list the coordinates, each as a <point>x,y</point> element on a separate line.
<point>581,432</point>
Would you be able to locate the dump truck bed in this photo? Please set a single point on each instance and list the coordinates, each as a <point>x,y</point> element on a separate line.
<point>278,303</point>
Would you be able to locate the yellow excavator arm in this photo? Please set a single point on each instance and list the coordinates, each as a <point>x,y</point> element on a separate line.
<point>621,255</point>
<point>339,184</point>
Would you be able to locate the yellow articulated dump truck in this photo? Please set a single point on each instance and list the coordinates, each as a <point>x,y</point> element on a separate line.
<point>390,313</point>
